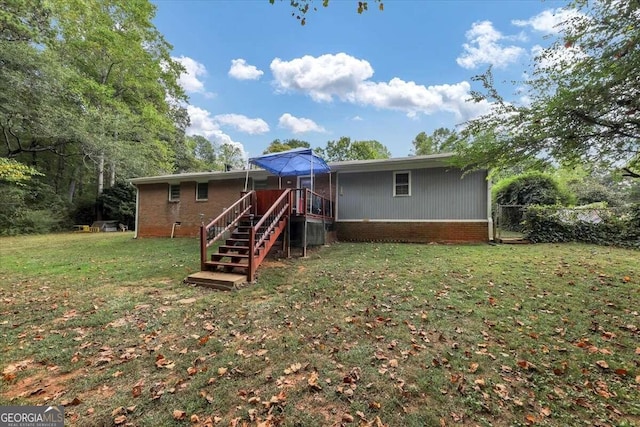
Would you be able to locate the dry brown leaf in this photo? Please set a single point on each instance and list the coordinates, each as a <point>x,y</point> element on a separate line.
<point>474,367</point>
<point>347,418</point>
<point>179,415</point>
<point>194,419</point>
<point>602,364</point>
<point>136,391</point>
<point>393,363</point>
<point>121,419</point>
<point>222,370</point>
<point>313,381</point>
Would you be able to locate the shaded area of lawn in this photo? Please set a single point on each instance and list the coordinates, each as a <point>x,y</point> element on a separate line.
<point>361,334</point>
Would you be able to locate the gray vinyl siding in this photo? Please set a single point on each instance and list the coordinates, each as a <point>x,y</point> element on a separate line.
<point>436,194</point>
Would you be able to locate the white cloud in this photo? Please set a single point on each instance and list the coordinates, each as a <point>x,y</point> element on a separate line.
<point>357,119</point>
<point>323,77</point>
<point>242,71</point>
<point>299,124</point>
<point>348,79</point>
<point>190,80</point>
<point>203,124</point>
<point>549,21</point>
<point>484,48</point>
<point>243,123</point>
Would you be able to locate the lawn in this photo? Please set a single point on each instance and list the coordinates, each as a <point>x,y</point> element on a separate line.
<point>355,334</point>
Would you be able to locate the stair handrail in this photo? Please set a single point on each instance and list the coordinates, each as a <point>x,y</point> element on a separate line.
<point>223,223</point>
<point>269,213</point>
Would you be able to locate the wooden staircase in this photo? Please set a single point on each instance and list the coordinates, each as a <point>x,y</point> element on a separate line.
<point>248,230</point>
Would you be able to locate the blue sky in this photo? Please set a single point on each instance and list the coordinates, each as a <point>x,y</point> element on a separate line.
<point>255,74</point>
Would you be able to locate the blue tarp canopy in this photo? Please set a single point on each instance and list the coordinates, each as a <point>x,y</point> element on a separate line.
<point>297,162</point>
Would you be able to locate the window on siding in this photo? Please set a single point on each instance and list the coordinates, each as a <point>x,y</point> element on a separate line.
<point>174,192</point>
<point>202,191</point>
<point>402,183</point>
<point>260,184</point>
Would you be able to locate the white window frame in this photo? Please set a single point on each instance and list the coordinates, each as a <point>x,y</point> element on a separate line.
<point>198,184</point>
<point>395,183</point>
<point>171,199</point>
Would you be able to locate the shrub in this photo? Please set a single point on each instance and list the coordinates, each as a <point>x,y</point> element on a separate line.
<point>551,224</point>
<point>532,188</point>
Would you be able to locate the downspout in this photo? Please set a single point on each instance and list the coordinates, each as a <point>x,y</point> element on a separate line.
<point>489,217</point>
<point>135,235</point>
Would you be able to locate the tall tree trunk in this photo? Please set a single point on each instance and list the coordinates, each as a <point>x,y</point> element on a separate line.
<point>72,188</point>
<point>100,174</point>
<point>112,177</point>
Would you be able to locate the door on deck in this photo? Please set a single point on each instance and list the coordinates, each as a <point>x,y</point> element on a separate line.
<point>303,182</point>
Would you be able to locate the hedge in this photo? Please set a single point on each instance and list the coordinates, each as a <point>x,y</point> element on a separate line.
<point>602,226</point>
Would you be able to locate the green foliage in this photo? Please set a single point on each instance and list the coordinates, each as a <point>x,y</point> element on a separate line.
<point>602,226</point>
<point>302,7</point>
<point>442,140</point>
<point>119,203</point>
<point>532,188</point>
<point>584,97</point>
<point>32,208</point>
<point>345,149</point>
<point>14,171</point>
<point>278,146</point>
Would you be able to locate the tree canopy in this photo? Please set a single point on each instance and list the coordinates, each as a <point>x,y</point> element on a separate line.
<point>584,97</point>
<point>345,149</point>
<point>278,146</point>
<point>442,140</point>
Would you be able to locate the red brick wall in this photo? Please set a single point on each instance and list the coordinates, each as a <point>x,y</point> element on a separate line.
<point>416,232</point>
<point>157,214</point>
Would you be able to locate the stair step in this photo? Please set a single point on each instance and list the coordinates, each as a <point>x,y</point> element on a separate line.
<point>228,255</point>
<point>230,242</point>
<point>226,264</point>
<point>226,248</point>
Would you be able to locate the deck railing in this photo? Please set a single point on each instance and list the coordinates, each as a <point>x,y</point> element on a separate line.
<point>226,221</point>
<point>264,228</point>
<point>311,204</point>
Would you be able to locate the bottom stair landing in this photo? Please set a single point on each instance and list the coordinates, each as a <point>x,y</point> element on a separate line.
<point>217,280</point>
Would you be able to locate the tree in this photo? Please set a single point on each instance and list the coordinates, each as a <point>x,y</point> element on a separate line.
<point>302,7</point>
<point>344,149</point>
<point>532,188</point>
<point>278,146</point>
<point>119,203</point>
<point>231,156</point>
<point>585,97</point>
<point>442,140</point>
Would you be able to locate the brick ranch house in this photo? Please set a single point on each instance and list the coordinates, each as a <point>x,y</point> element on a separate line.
<point>408,199</point>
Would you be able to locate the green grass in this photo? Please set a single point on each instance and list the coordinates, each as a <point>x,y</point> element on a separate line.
<point>398,335</point>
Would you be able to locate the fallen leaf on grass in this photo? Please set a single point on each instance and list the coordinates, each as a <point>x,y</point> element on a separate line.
<point>179,415</point>
<point>474,367</point>
<point>347,418</point>
<point>602,364</point>
<point>313,381</point>
<point>74,402</point>
<point>526,365</point>
<point>162,362</point>
<point>121,419</point>
<point>293,368</point>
